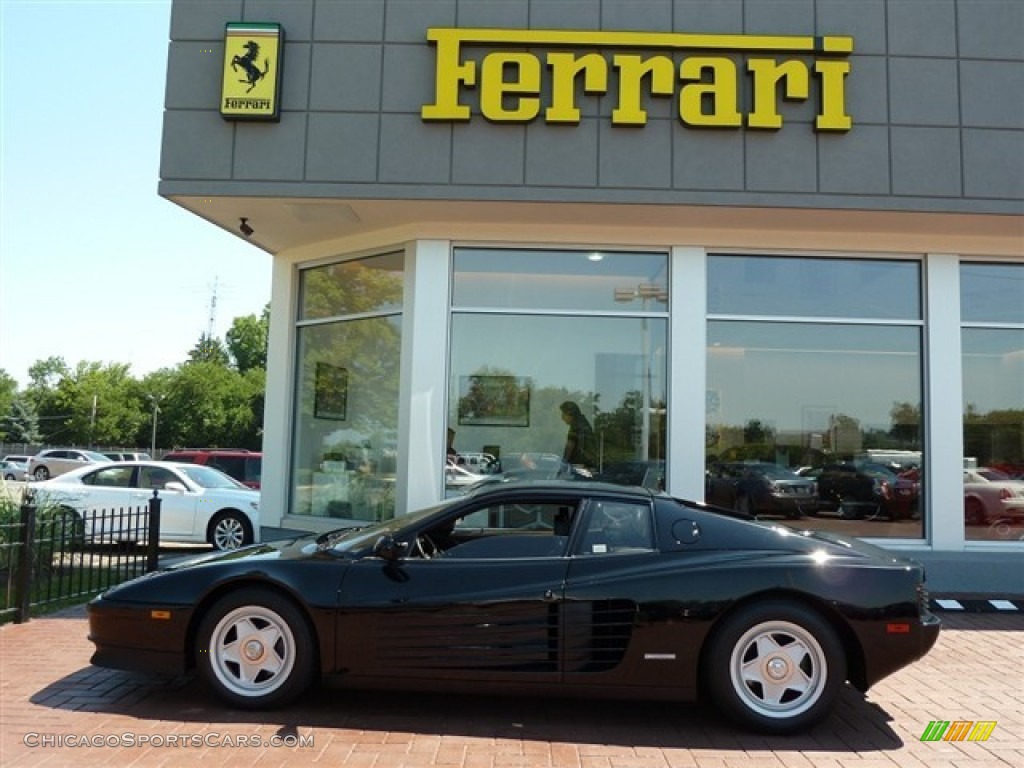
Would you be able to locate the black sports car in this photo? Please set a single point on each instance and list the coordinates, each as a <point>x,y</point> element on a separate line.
<point>572,588</point>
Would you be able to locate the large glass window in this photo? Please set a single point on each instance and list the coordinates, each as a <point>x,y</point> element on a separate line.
<point>347,390</point>
<point>814,407</point>
<point>992,309</point>
<point>558,365</point>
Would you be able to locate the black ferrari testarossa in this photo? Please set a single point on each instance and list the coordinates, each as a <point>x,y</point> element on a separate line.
<point>569,588</point>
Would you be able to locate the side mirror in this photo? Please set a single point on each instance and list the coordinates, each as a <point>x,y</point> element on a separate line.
<point>175,487</point>
<point>387,548</point>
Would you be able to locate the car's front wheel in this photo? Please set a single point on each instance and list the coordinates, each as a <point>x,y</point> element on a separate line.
<point>41,473</point>
<point>255,649</point>
<point>775,667</point>
<point>229,530</point>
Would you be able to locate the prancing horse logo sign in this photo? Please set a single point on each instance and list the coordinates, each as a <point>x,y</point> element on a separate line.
<point>252,71</point>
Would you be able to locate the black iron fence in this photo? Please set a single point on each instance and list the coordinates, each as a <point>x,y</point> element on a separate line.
<point>52,555</point>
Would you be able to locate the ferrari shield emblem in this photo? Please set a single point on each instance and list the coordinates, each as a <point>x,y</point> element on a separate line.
<point>252,71</point>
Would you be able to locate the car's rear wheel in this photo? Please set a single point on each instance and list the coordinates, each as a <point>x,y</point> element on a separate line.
<point>41,473</point>
<point>775,666</point>
<point>255,649</point>
<point>974,514</point>
<point>229,530</point>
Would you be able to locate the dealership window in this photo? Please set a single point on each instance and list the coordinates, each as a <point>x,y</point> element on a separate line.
<point>347,389</point>
<point>992,314</point>
<point>814,393</point>
<point>558,365</point>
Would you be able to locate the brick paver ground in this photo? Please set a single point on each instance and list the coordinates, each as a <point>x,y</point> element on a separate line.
<point>56,710</point>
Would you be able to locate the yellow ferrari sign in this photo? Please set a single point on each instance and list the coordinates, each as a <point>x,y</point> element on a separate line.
<point>252,71</point>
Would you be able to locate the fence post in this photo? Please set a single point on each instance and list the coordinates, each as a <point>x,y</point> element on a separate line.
<point>23,582</point>
<point>153,540</point>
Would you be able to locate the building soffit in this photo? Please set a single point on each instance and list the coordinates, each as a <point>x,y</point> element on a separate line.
<point>306,226</point>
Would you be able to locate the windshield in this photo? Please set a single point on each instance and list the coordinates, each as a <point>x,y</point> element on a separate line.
<point>95,456</point>
<point>350,539</point>
<point>775,472</point>
<point>206,477</point>
<point>993,474</point>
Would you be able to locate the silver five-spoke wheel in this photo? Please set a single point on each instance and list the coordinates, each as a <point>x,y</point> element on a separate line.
<point>255,649</point>
<point>776,666</point>
<point>229,531</point>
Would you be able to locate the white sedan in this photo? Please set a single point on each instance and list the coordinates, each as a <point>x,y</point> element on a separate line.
<point>199,504</point>
<point>990,496</point>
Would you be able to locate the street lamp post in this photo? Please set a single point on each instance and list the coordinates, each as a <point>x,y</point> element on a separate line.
<point>646,292</point>
<point>155,399</point>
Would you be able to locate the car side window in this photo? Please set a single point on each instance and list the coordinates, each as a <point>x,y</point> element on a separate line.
<point>155,477</point>
<point>506,531</point>
<point>616,527</point>
<point>110,477</point>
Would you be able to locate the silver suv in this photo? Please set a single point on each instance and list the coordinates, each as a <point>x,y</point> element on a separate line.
<point>57,461</point>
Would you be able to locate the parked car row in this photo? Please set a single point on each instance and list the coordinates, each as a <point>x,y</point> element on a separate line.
<point>198,504</point>
<point>862,490</point>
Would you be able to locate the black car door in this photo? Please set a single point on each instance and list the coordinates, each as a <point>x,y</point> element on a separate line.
<point>487,608</point>
<point>613,559</point>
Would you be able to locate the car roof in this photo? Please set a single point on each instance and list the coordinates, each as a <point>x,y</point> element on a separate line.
<point>558,487</point>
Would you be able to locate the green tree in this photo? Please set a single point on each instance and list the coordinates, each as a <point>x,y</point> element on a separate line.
<point>209,350</point>
<point>8,393</point>
<point>247,341</point>
<point>20,425</point>
<point>101,405</point>
<point>208,404</point>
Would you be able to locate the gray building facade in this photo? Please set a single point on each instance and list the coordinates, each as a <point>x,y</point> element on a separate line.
<point>743,236</point>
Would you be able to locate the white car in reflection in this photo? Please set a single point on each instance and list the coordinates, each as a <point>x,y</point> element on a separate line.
<point>198,504</point>
<point>990,496</point>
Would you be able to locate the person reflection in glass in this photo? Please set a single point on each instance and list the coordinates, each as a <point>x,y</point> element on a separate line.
<point>580,445</point>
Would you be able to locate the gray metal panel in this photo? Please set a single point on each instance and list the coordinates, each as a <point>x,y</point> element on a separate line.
<point>408,77</point>
<point>508,14</point>
<point>710,161</point>
<point>371,70</point>
<point>346,77</point>
<point>864,20</point>
<point>565,14</point>
<point>779,17</point>
<point>488,154</point>
<point>986,155</point>
<point>867,91</point>
<point>780,161</point>
<point>342,147</point>
<point>191,62</point>
<point>203,21</point>
<point>423,160</point>
<point>562,156</point>
<point>350,21</point>
<point>636,158</point>
<point>296,16</point>
<point>644,15</point>
<point>993,29</point>
<point>271,151</point>
<point>923,92</point>
<point>925,28</point>
<point>855,164</point>
<point>197,145</point>
<point>716,16</point>
<point>987,89</point>
<point>406,20</point>
<point>926,161</point>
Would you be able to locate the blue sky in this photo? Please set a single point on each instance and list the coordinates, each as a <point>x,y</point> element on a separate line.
<point>94,264</point>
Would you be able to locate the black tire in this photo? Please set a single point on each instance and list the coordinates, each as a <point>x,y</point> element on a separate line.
<point>41,473</point>
<point>229,530</point>
<point>255,649</point>
<point>9,476</point>
<point>775,667</point>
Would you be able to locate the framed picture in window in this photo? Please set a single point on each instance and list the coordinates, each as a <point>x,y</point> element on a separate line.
<point>495,401</point>
<point>331,392</point>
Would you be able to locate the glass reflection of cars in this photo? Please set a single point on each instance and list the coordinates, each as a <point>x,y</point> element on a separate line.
<point>761,488</point>
<point>990,495</point>
<point>867,490</point>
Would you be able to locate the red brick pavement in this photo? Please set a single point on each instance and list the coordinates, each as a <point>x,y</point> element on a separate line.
<point>53,704</point>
